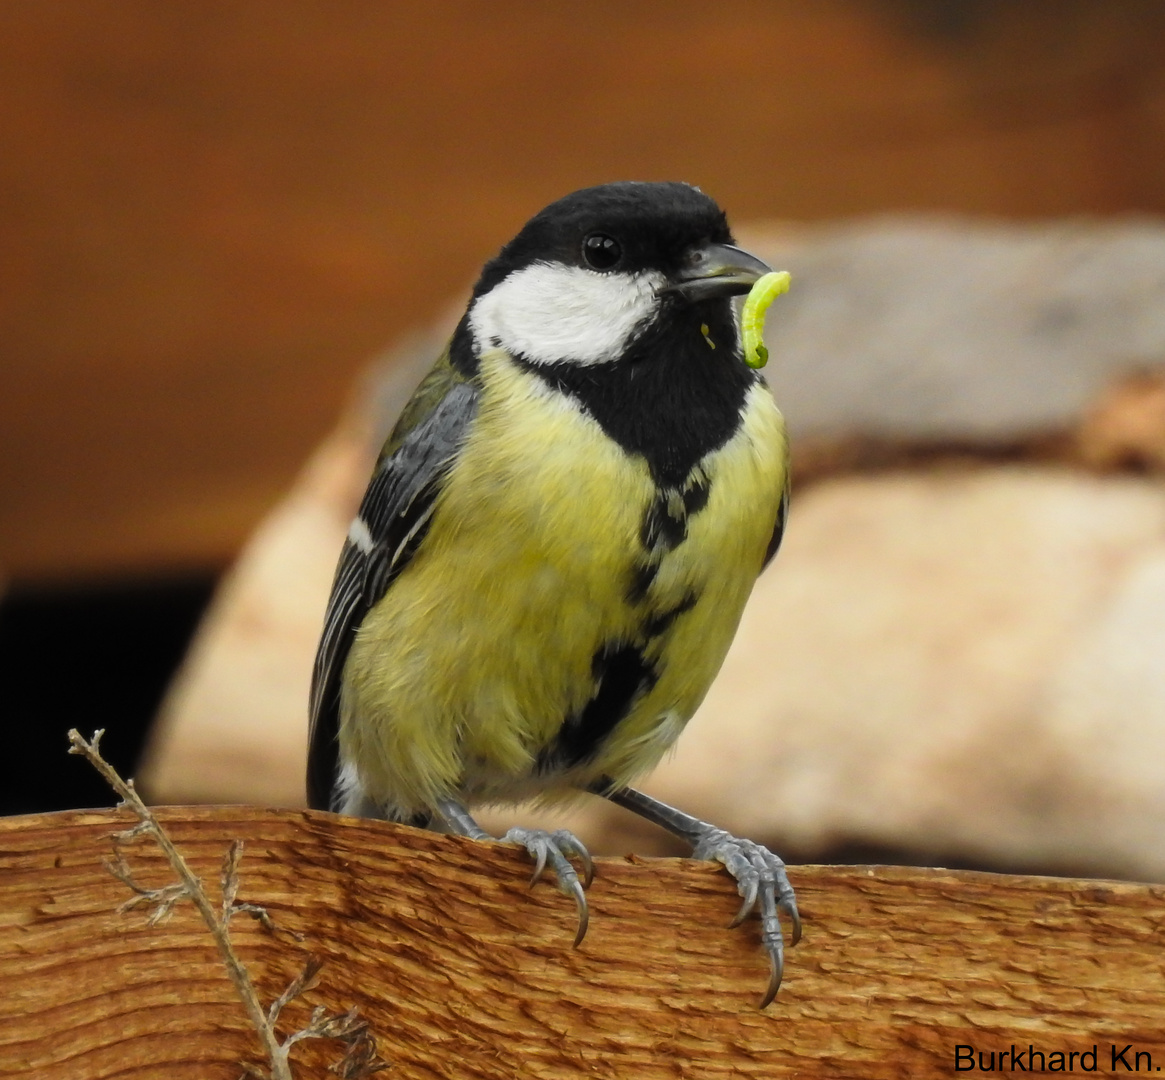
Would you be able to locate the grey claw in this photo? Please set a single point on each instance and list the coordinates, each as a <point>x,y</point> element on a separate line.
<point>569,844</point>
<point>791,908</point>
<point>773,941</point>
<point>777,972</point>
<point>584,915</point>
<point>539,863</point>
<point>747,904</point>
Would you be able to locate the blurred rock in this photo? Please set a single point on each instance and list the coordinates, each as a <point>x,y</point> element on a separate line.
<point>1126,427</point>
<point>953,658</point>
<point>934,328</point>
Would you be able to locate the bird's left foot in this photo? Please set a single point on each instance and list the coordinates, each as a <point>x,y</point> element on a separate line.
<point>760,879</point>
<point>555,849</point>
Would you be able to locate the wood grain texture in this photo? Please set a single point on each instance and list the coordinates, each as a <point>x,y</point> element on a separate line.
<point>463,972</point>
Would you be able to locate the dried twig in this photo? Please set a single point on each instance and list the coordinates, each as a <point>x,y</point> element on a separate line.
<point>360,1059</point>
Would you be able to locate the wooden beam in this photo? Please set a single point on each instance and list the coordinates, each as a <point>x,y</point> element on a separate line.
<point>464,972</point>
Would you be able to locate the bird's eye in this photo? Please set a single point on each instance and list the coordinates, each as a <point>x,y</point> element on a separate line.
<point>601,252</point>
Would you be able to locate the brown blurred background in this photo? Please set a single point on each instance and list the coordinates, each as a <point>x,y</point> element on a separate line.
<point>212,215</point>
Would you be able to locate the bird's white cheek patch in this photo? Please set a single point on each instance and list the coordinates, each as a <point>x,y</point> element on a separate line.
<point>550,312</point>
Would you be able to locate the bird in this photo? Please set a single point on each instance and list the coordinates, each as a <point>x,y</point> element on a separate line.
<point>557,542</point>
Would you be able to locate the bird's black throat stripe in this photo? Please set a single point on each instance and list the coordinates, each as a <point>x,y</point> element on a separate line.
<point>670,398</point>
<point>664,528</point>
<point>623,675</point>
<point>622,671</point>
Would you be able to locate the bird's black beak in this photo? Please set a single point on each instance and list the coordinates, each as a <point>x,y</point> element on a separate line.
<point>716,270</point>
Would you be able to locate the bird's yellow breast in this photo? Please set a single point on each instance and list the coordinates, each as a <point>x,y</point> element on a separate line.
<point>461,678</point>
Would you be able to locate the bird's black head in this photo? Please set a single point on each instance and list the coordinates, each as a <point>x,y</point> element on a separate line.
<point>625,227</point>
<point>592,272</point>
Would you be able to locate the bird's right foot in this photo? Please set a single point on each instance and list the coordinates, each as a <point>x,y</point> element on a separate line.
<point>554,849</point>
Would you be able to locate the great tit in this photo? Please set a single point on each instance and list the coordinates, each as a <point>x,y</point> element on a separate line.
<point>558,541</point>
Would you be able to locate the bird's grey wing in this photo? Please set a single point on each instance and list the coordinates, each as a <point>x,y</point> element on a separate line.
<point>779,527</point>
<point>391,524</point>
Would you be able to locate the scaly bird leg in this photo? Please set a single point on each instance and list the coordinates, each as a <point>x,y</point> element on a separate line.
<point>553,848</point>
<point>760,875</point>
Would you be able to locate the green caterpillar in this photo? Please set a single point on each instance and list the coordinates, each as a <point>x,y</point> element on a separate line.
<point>752,319</point>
